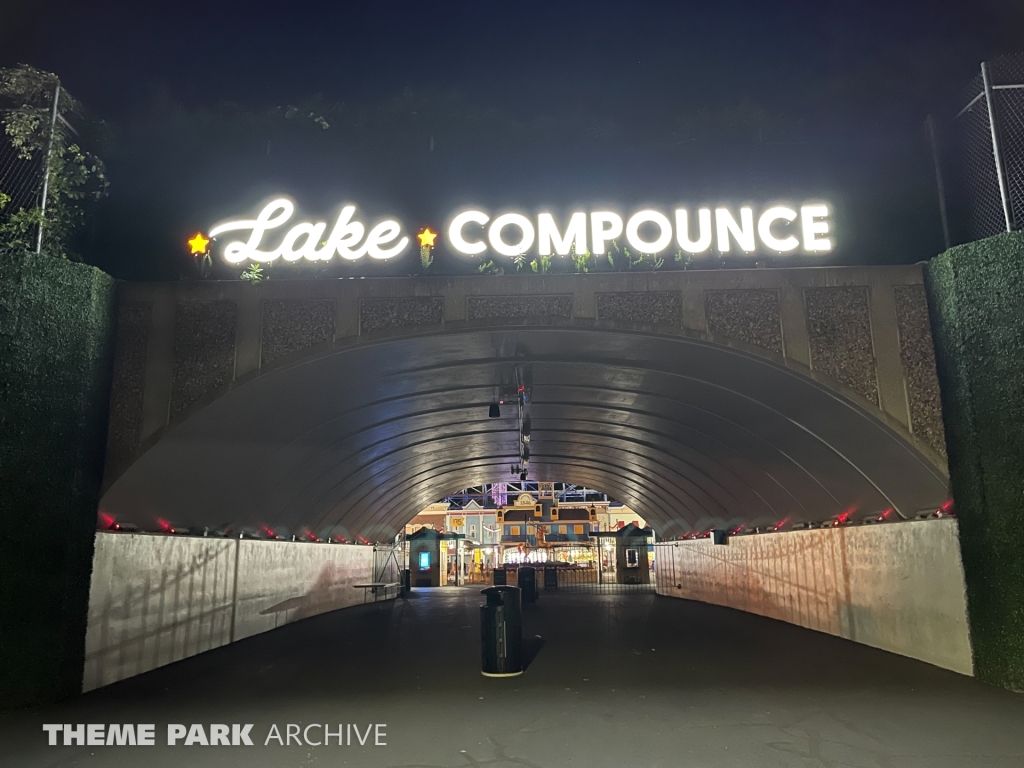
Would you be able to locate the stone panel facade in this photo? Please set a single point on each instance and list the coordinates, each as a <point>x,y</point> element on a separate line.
<point>487,307</point>
<point>378,314</point>
<point>917,352</point>
<point>751,316</point>
<point>652,308</point>
<point>204,350</point>
<point>125,426</point>
<point>292,325</point>
<point>839,330</point>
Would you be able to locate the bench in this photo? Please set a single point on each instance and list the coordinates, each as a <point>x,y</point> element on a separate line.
<point>374,586</point>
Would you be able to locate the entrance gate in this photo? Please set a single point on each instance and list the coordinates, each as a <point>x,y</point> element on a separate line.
<point>589,568</point>
<point>387,569</point>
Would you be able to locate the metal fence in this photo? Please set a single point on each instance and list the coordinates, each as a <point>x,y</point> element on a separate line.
<point>987,154</point>
<point>24,173</point>
<point>21,178</point>
<point>388,563</point>
<point>589,580</point>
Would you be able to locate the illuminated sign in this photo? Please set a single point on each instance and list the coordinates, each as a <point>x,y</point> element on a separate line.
<point>305,240</point>
<point>197,245</point>
<point>778,229</point>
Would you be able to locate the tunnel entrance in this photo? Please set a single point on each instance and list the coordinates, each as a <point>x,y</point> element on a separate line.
<point>348,444</point>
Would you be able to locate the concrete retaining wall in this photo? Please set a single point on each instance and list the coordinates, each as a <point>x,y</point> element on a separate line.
<point>280,582</point>
<point>899,586</point>
<point>157,599</point>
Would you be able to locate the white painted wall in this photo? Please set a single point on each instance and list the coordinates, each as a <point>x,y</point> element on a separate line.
<point>156,599</point>
<point>282,581</point>
<point>896,586</point>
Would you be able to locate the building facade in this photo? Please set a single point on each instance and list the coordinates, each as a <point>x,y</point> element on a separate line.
<point>532,527</point>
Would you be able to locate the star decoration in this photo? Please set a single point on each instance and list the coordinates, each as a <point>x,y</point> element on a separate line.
<point>427,238</point>
<point>198,244</point>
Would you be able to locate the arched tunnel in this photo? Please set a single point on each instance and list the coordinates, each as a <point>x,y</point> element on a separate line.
<point>689,433</point>
<point>354,437</point>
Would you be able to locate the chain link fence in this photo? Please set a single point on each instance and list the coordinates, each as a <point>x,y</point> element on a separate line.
<point>986,154</point>
<point>21,178</point>
<point>24,169</point>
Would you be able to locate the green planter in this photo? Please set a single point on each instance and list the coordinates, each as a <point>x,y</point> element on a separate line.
<point>976,298</point>
<point>56,324</point>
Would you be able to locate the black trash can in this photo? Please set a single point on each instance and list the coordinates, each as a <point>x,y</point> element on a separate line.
<point>406,581</point>
<point>550,579</point>
<point>528,584</point>
<point>501,632</point>
<point>500,577</point>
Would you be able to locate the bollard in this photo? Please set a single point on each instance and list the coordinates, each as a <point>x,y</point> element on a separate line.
<point>501,632</point>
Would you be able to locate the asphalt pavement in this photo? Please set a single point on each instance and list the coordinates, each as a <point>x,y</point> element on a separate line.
<point>613,680</point>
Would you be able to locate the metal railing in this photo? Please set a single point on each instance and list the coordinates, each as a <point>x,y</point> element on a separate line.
<point>387,563</point>
<point>561,579</point>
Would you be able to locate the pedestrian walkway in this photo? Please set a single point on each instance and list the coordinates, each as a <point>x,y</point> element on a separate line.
<point>613,680</point>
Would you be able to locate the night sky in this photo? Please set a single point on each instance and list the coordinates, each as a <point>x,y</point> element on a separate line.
<point>201,110</point>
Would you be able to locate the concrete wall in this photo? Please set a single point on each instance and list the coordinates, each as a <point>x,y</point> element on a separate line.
<point>280,582</point>
<point>156,599</point>
<point>899,586</point>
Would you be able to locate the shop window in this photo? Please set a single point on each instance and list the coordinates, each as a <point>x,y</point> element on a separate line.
<point>472,531</point>
<point>424,561</point>
<point>561,529</point>
<point>578,530</point>
<point>513,530</point>
<point>632,558</point>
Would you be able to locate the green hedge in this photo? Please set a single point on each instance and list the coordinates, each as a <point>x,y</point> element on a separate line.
<point>976,295</point>
<point>55,359</point>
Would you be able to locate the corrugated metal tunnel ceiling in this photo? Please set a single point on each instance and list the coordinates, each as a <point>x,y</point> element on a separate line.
<point>689,434</point>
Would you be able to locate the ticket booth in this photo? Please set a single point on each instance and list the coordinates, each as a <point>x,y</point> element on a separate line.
<point>429,559</point>
<point>632,562</point>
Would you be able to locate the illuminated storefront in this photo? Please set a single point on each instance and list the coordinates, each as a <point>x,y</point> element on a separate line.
<point>513,533</point>
<point>480,545</point>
